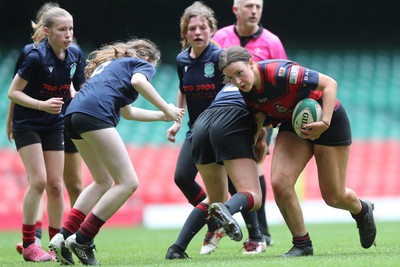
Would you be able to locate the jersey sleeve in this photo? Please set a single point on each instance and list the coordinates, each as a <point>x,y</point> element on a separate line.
<point>310,79</point>
<point>29,65</point>
<point>146,69</point>
<point>296,76</point>
<point>21,57</point>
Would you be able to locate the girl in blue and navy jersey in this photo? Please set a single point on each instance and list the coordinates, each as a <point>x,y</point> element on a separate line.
<point>274,87</point>
<point>117,74</point>
<point>39,89</point>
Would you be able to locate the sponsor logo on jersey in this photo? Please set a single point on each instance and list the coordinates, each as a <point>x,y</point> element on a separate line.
<point>281,72</point>
<point>306,77</point>
<point>209,70</point>
<point>55,90</point>
<point>306,73</point>
<point>51,69</point>
<point>199,87</point>
<point>280,108</point>
<point>72,70</point>
<point>262,100</point>
<point>185,68</point>
<point>294,72</point>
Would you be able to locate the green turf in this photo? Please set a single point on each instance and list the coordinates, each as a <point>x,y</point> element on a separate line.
<point>334,245</point>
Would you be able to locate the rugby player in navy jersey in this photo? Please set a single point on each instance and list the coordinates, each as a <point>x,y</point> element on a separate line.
<point>226,121</point>
<point>118,73</point>
<point>199,82</point>
<point>72,173</point>
<point>25,50</point>
<point>39,90</point>
<point>274,87</point>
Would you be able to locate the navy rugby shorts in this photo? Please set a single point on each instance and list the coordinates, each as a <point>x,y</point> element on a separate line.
<point>51,140</point>
<point>69,146</point>
<point>77,123</point>
<point>223,133</point>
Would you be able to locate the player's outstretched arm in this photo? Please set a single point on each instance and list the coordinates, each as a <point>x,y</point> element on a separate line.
<point>139,114</point>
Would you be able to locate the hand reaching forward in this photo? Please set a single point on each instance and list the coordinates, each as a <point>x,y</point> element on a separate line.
<point>173,113</point>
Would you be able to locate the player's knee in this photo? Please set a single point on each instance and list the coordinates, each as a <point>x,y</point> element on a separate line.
<point>132,185</point>
<point>38,185</point>
<point>331,200</point>
<point>103,185</point>
<point>181,180</point>
<point>74,189</point>
<point>277,187</point>
<point>54,187</point>
<point>253,199</point>
<point>281,184</point>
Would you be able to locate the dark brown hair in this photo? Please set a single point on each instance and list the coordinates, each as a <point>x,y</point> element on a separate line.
<point>231,55</point>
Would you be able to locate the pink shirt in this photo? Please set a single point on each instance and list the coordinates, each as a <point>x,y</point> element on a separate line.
<point>266,46</point>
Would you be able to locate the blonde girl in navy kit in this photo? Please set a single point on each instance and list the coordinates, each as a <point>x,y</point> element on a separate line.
<point>38,90</point>
<point>72,162</point>
<point>118,74</point>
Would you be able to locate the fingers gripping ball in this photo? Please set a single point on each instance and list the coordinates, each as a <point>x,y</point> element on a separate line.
<point>306,111</point>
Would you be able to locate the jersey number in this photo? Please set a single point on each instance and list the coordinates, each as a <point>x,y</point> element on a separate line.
<point>100,68</point>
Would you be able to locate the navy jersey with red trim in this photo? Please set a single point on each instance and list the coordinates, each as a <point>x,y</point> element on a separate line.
<point>47,77</point>
<point>109,88</point>
<point>283,84</point>
<point>199,79</point>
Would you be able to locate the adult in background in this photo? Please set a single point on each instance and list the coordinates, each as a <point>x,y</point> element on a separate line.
<point>262,44</point>
<point>274,87</point>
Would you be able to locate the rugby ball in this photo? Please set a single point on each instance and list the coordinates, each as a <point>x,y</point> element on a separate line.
<point>306,111</point>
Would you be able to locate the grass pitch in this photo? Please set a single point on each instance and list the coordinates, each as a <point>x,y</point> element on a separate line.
<point>334,245</point>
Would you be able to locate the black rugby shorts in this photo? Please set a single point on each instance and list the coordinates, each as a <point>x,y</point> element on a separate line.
<point>338,134</point>
<point>223,133</point>
<point>77,123</point>
<point>51,140</point>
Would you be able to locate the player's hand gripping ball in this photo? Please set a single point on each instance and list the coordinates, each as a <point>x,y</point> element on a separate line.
<point>306,111</point>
